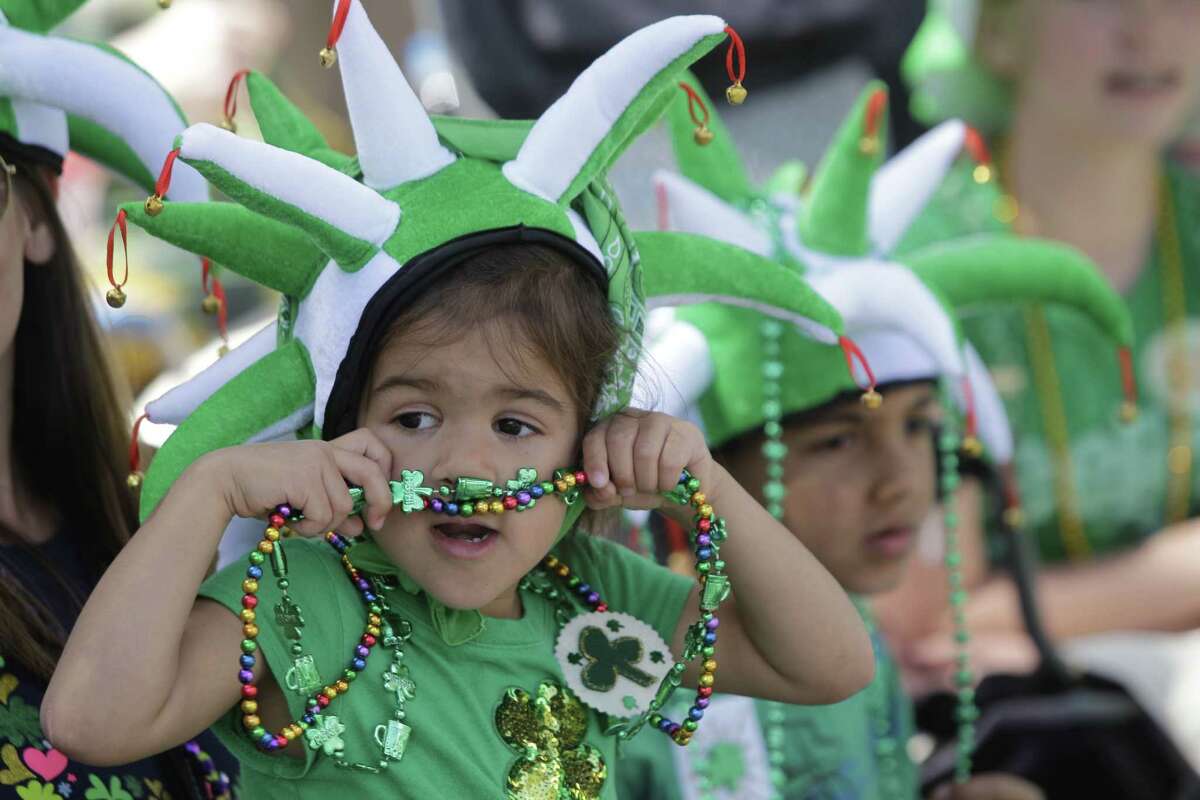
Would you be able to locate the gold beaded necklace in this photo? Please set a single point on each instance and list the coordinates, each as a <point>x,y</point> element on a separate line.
<point>1047,385</point>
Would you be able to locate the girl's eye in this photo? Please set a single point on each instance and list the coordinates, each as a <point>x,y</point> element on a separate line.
<point>415,420</point>
<point>920,425</point>
<point>833,443</point>
<point>514,427</point>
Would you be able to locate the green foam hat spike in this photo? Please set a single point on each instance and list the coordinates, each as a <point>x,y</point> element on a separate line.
<point>421,184</point>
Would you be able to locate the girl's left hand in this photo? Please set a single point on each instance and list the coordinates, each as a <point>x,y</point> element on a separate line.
<point>989,786</point>
<point>632,457</point>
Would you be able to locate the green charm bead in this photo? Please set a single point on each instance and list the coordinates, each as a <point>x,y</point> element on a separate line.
<point>249,645</point>
<point>466,510</point>
<point>257,558</point>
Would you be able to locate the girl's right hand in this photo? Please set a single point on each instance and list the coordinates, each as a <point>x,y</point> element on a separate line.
<point>311,476</point>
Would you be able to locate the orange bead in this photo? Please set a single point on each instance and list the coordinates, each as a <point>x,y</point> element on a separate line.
<point>699,499</point>
<point>563,570</point>
<point>560,486</point>
<point>374,619</point>
<point>551,562</point>
<point>250,630</point>
<point>266,548</point>
<point>342,686</point>
<point>251,721</point>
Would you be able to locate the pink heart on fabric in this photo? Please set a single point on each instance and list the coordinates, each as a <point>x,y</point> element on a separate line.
<point>49,764</point>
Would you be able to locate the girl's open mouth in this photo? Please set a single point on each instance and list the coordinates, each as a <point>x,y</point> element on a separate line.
<point>464,539</point>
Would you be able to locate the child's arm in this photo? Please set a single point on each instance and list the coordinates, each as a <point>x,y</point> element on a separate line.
<point>789,632</point>
<point>148,666</point>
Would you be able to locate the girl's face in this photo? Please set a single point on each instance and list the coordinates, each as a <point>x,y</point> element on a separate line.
<point>859,484</point>
<point>471,408</point>
<point>1121,69</point>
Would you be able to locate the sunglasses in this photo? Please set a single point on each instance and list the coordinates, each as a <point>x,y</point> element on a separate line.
<point>6,185</point>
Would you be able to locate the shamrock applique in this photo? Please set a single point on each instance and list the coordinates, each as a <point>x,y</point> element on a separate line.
<point>547,732</point>
<point>326,735</point>
<point>609,658</point>
<point>408,491</point>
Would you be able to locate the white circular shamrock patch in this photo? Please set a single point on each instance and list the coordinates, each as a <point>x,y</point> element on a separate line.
<point>614,662</point>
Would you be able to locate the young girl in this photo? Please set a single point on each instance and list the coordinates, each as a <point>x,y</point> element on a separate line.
<point>465,329</point>
<point>854,485</point>
<point>61,412</point>
<point>1084,98</point>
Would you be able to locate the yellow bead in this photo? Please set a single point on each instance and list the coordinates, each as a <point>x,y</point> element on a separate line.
<point>497,507</point>
<point>248,615</point>
<point>272,534</point>
<point>328,57</point>
<point>705,510</point>
<point>373,630</point>
<point>330,692</point>
<point>736,94</point>
<point>251,721</point>
<point>699,499</point>
<point>115,297</point>
<point>289,733</point>
<point>266,547</point>
<point>249,706</point>
<point>569,480</point>
<point>551,562</point>
<point>702,135</point>
<point>342,686</point>
<point>154,205</point>
<point>250,586</point>
<point>706,679</point>
<point>710,665</point>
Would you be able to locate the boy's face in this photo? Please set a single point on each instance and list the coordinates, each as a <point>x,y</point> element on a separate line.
<point>859,483</point>
<point>470,408</point>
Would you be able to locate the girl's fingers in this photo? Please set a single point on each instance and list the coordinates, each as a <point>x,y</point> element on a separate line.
<point>619,440</point>
<point>313,500</point>
<point>652,433</point>
<point>671,461</point>
<point>363,471</point>
<point>365,443</point>
<point>595,458</point>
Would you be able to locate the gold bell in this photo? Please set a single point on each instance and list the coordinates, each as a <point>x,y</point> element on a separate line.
<point>736,94</point>
<point>868,145</point>
<point>134,480</point>
<point>164,4</point>
<point>210,304</point>
<point>872,399</point>
<point>982,173</point>
<point>328,57</point>
<point>1013,518</point>
<point>702,135</point>
<point>154,205</point>
<point>229,125</point>
<point>115,297</point>
<point>1128,411</point>
<point>972,446</point>
<point>222,351</point>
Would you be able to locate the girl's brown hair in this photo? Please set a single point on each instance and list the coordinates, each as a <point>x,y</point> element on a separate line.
<point>561,316</point>
<point>69,430</point>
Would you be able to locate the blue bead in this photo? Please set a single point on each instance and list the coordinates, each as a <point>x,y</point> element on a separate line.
<point>267,740</point>
<point>247,661</point>
<point>664,724</point>
<point>536,490</point>
<point>308,719</point>
<point>696,713</point>
<point>710,637</point>
<point>704,553</point>
<point>254,572</point>
<point>683,477</point>
<point>369,597</point>
<point>452,509</point>
<point>583,588</point>
<point>358,665</point>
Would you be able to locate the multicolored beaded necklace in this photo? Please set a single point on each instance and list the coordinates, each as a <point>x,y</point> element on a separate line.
<point>468,497</point>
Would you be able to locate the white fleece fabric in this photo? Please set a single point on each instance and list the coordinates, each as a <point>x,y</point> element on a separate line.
<point>298,181</point>
<point>690,208</point>
<point>904,185</point>
<point>85,81</point>
<point>395,139</point>
<point>568,133</point>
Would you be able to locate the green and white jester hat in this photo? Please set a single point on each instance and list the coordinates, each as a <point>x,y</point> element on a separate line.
<point>344,252</point>
<point>59,94</point>
<point>841,234</point>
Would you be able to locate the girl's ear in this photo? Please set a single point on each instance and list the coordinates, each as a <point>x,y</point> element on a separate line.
<point>40,245</point>
<point>999,36</point>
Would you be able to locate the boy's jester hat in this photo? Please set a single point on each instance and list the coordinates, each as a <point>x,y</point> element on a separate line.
<point>345,240</point>
<point>59,94</point>
<point>841,232</point>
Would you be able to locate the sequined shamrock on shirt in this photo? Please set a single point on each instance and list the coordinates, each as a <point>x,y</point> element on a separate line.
<point>547,731</point>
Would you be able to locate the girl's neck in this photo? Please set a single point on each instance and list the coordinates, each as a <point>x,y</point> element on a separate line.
<point>18,512</point>
<point>1096,193</point>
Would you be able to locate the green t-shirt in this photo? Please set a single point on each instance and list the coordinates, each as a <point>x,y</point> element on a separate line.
<point>1117,474</point>
<point>852,750</point>
<point>455,749</point>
